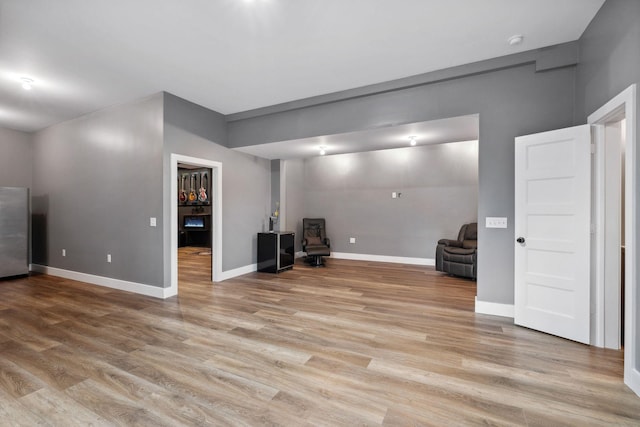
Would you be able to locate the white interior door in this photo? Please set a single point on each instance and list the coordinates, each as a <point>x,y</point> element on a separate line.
<point>552,228</point>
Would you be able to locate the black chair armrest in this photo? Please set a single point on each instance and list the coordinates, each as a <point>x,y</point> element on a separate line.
<point>327,242</point>
<point>449,242</point>
<point>470,244</point>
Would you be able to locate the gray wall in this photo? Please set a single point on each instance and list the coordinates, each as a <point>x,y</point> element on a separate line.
<point>609,63</point>
<point>294,185</point>
<point>510,101</point>
<point>192,130</point>
<point>439,192</point>
<point>16,160</point>
<point>275,186</point>
<point>609,52</point>
<point>97,179</point>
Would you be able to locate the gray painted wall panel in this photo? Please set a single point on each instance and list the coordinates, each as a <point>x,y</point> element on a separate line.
<point>246,180</point>
<point>97,180</point>
<point>510,102</point>
<point>439,192</point>
<point>609,63</point>
<point>295,189</point>
<point>16,159</point>
<point>547,58</point>
<point>195,119</point>
<point>609,53</point>
<point>275,187</point>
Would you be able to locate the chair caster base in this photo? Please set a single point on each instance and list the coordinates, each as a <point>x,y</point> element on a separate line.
<point>315,260</point>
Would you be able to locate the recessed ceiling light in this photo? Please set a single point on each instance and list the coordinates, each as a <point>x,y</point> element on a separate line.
<point>515,40</point>
<point>412,140</point>
<point>323,150</point>
<point>26,82</point>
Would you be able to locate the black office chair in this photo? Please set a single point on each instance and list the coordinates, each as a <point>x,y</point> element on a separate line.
<point>314,241</point>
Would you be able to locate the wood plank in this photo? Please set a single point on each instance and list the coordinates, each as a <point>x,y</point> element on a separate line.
<point>353,343</point>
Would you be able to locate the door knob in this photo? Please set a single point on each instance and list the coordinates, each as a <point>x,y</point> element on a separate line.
<point>520,240</point>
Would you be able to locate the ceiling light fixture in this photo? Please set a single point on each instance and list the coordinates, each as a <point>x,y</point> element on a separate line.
<point>412,140</point>
<point>516,40</point>
<point>26,83</point>
<point>323,150</point>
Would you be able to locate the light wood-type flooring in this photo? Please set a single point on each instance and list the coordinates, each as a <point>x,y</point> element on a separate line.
<point>351,344</point>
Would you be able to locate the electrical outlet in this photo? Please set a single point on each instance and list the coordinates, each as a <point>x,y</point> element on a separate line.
<point>152,222</point>
<point>352,239</point>
<point>108,257</point>
<point>394,195</point>
<point>496,222</point>
<point>64,252</point>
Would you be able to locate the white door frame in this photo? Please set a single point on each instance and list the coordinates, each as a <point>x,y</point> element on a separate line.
<point>216,210</point>
<point>621,106</point>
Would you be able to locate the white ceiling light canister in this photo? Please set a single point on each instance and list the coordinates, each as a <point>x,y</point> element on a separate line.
<point>515,40</point>
<point>26,82</point>
<point>412,140</point>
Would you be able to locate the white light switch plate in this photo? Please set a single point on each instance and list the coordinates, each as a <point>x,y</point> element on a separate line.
<point>496,222</point>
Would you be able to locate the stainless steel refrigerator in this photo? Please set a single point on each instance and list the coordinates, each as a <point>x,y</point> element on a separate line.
<point>14,231</point>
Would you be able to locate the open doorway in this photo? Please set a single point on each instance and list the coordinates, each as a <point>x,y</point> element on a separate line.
<point>194,222</point>
<point>610,182</point>
<point>196,214</point>
<point>615,211</point>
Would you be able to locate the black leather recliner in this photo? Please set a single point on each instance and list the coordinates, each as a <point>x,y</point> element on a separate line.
<point>314,240</point>
<point>459,257</point>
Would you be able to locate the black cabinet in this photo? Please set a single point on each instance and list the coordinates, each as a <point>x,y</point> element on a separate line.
<point>275,251</point>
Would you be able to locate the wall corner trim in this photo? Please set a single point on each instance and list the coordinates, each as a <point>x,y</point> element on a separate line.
<point>494,308</point>
<point>632,379</point>
<point>230,274</point>
<point>384,258</point>
<point>108,282</point>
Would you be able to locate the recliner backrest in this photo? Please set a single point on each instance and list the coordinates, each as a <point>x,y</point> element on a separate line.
<point>468,232</point>
<point>313,227</point>
<point>461,233</point>
<point>471,232</point>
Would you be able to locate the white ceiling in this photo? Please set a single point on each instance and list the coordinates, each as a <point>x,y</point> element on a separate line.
<point>236,55</point>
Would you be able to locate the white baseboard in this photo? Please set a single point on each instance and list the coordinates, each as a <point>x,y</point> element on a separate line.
<point>230,274</point>
<point>494,308</point>
<point>383,258</point>
<point>108,282</point>
<point>632,380</point>
<point>123,285</point>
